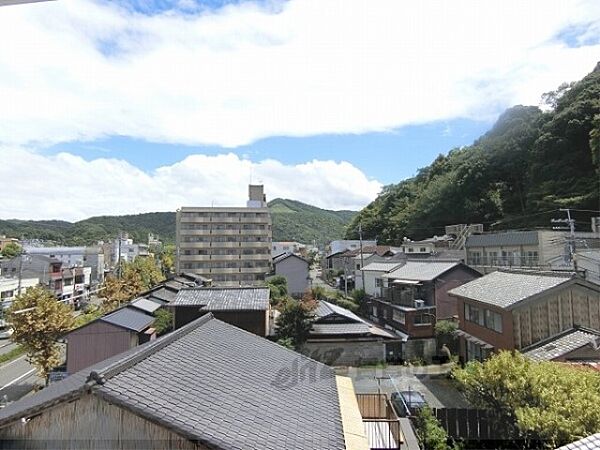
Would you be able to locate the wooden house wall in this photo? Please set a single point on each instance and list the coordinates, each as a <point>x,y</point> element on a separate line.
<point>91,423</point>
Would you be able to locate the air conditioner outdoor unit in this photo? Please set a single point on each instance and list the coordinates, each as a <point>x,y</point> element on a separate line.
<point>419,304</point>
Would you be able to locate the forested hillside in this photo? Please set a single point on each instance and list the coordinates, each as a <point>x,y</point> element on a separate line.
<point>292,220</point>
<point>517,175</point>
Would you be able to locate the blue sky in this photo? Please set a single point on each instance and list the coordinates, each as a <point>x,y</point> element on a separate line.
<point>388,157</point>
<point>140,105</point>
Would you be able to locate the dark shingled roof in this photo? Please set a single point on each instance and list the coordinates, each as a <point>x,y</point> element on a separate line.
<point>224,299</point>
<point>129,318</point>
<point>286,255</point>
<point>219,385</point>
<point>564,343</point>
<point>507,238</point>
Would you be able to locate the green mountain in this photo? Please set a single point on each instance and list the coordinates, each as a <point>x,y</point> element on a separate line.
<point>530,164</point>
<point>296,221</point>
<point>292,220</point>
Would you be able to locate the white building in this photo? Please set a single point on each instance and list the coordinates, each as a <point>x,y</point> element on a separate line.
<point>372,274</point>
<point>281,247</point>
<point>91,257</point>
<point>588,261</point>
<point>340,246</point>
<point>9,288</point>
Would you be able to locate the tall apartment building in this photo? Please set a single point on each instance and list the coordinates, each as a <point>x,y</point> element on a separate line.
<point>231,246</point>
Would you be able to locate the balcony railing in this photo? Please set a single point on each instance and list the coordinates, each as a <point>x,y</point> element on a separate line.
<point>504,261</point>
<point>382,425</point>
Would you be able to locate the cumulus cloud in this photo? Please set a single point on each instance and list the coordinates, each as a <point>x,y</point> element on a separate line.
<point>77,70</point>
<point>68,187</point>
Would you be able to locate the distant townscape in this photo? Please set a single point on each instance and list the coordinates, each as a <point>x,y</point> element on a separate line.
<point>459,309</point>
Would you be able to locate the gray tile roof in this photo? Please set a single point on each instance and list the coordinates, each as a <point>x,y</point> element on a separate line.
<point>506,238</point>
<point>326,310</point>
<point>219,385</point>
<point>381,266</point>
<point>333,319</point>
<point>146,305</point>
<point>588,443</point>
<point>164,294</point>
<point>287,255</point>
<point>129,318</point>
<point>561,345</point>
<point>505,289</point>
<point>421,271</point>
<point>224,299</point>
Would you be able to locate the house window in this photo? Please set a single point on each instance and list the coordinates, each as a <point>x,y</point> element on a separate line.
<point>378,282</point>
<point>399,316</point>
<point>423,250</point>
<point>6,294</point>
<point>493,258</point>
<point>411,250</point>
<point>475,258</point>
<point>474,314</point>
<point>493,321</point>
<point>358,267</point>
<point>422,319</point>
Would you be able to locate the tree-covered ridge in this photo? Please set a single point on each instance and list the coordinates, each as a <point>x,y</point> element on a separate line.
<point>517,174</point>
<point>297,221</point>
<point>292,221</point>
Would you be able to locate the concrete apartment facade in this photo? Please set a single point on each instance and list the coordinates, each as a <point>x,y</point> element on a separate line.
<point>230,246</point>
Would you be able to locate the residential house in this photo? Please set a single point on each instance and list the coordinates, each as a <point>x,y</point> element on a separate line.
<point>333,259</point>
<point>295,269</point>
<point>515,310</point>
<point>4,241</point>
<point>577,345</point>
<point>537,249</point>
<point>10,287</point>
<point>207,385</point>
<point>588,263</point>
<point>75,257</point>
<point>125,328</point>
<point>341,338</point>
<point>372,273</point>
<point>231,246</point>
<point>414,296</point>
<point>247,307</point>
<point>109,335</point>
<point>426,246</point>
<point>279,248</point>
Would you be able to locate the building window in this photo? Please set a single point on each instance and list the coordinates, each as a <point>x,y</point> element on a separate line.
<point>422,319</point>
<point>493,321</point>
<point>475,258</point>
<point>423,249</point>
<point>474,314</point>
<point>399,316</point>
<point>378,282</point>
<point>411,250</point>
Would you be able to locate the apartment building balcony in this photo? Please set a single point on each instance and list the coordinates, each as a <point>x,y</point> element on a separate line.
<point>382,425</point>
<point>504,261</point>
<point>266,257</point>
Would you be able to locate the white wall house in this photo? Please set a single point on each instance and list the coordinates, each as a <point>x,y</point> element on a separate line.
<point>588,261</point>
<point>9,288</point>
<point>280,247</point>
<point>372,274</point>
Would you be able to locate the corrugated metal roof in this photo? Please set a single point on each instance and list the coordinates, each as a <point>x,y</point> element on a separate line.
<point>588,443</point>
<point>340,328</point>
<point>421,271</point>
<point>129,318</point>
<point>508,238</point>
<point>504,289</point>
<point>248,396</point>
<point>382,266</point>
<point>224,299</point>
<point>561,345</point>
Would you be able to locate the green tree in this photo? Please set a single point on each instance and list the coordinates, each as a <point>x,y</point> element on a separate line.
<point>144,269</point>
<point>554,402</point>
<point>163,322</point>
<point>278,289</point>
<point>167,260</point>
<point>11,250</point>
<point>39,320</point>
<point>295,321</point>
<point>430,433</point>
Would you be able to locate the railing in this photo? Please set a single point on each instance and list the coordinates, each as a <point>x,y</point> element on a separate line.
<point>382,426</point>
<point>503,261</point>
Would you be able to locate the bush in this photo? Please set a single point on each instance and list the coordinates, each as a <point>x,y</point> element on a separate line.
<point>163,321</point>
<point>430,433</point>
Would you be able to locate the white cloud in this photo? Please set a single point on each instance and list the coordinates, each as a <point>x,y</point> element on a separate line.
<point>68,187</point>
<point>297,68</point>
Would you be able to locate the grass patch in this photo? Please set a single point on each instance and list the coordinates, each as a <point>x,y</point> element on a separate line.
<point>14,353</point>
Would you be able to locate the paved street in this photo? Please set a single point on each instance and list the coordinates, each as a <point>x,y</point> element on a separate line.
<point>428,380</point>
<point>6,346</point>
<point>17,378</point>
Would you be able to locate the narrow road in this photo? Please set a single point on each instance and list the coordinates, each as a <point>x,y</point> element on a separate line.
<point>17,378</point>
<point>6,346</point>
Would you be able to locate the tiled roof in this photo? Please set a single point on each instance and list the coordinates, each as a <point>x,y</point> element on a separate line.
<point>421,271</point>
<point>325,309</point>
<point>504,289</point>
<point>129,318</point>
<point>146,305</point>
<point>380,250</point>
<point>165,294</point>
<point>588,443</point>
<point>340,328</point>
<point>506,238</point>
<point>224,299</point>
<point>381,266</point>
<point>560,345</point>
<point>287,255</point>
<point>218,385</point>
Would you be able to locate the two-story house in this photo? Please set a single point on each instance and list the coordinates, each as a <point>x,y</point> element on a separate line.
<point>414,296</point>
<point>517,310</point>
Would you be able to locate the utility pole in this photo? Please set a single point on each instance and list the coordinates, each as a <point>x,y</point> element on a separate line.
<point>362,260</point>
<point>571,228</point>
<point>119,256</point>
